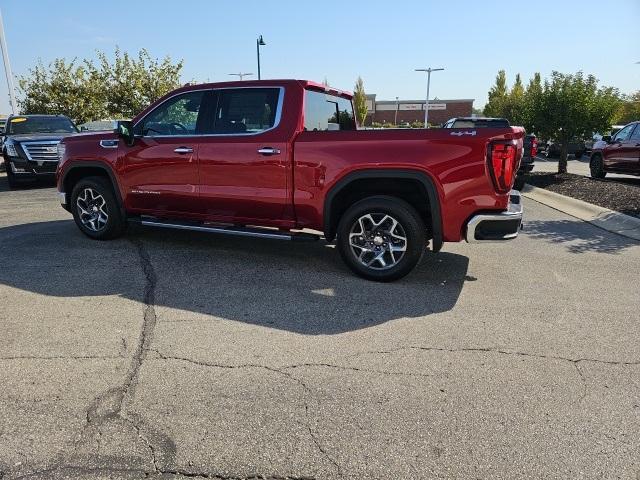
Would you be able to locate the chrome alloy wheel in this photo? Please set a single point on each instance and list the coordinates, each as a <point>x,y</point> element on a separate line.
<point>91,210</point>
<point>378,241</point>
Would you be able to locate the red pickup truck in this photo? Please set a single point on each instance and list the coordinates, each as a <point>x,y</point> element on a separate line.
<point>284,159</point>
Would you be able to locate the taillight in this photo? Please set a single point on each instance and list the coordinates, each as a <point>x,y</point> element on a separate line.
<point>502,165</point>
<point>534,148</point>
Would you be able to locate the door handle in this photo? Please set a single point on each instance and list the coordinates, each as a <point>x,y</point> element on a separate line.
<point>183,150</point>
<point>269,151</point>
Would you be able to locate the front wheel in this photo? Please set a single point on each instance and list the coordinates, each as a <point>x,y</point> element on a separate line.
<point>596,166</point>
<point>96,210</point>
<point>381,238</point>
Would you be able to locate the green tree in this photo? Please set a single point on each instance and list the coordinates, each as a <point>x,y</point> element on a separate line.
<point>630,109</point>
<point>514,109</point>
<point>573,107</point>
<point>86,91</point>
<point>497,96</point>
<point>68,88</point>
<point>360,101</point>
<point>533,116</point>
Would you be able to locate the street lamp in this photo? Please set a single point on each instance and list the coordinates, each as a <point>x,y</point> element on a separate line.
<point>426,105</point>
<point>241,75</point>
<point>395,120</point>
<point>259,42</point>
<point>7,69</point>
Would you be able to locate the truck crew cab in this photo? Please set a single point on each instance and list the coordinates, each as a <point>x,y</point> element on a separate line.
<point>274,157</point>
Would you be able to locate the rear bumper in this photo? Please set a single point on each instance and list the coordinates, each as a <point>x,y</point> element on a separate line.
<point>496,227</point>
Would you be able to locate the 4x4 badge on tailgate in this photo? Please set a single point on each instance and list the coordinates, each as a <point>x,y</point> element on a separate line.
<point>459,134</point>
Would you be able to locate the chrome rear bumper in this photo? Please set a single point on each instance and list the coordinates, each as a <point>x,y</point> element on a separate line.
<point>497,227</point>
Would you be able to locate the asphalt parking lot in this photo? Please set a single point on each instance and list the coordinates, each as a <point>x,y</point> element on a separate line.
<point>183,355</point>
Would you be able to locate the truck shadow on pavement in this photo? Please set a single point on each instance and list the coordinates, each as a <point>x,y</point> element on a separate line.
<point>298,287</point>
<point>578,236</point>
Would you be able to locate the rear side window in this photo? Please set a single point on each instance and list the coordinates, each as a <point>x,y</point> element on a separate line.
<point>246,110</point>
<point>324,112</point>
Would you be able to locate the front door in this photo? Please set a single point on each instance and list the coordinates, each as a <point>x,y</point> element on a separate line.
<point>620,153</point>
<point>160,171</point>
<point>245,160</point>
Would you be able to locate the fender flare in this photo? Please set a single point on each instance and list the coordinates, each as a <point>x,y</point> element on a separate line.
<point>426,181</point>
<point>101,166</point>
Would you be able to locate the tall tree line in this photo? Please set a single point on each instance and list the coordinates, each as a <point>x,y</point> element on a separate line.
<point>563,108</point>
<point>109,88</point>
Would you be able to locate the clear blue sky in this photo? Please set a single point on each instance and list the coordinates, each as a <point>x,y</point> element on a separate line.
<point>383,41</point>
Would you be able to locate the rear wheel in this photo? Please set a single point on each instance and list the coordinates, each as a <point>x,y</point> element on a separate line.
<point>596,165</point>
<point>96,210</point>
<point>381,238</point>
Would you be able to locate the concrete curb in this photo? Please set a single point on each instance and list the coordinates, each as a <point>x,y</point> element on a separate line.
<point>609,220</point>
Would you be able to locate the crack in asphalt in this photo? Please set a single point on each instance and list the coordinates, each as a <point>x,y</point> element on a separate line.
<point>160,474</point>
<point>279,371</point>
<point>498,351</point>
<point>63,357</point>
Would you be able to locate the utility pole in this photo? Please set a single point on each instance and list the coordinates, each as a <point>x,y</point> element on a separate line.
<point>241,75</point>
<point>259,42</point>
<point>7,68</point>
<point>426,105</point>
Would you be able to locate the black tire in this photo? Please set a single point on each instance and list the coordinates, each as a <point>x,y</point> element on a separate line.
<point>11,179</point>
<point>520,181</point>
<point>596,165</point>
<point>100,229</point>
<point>409,226</point>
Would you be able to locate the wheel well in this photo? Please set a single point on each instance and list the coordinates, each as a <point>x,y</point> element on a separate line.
<point>78,173</point>
<point>410,190</point>
<point>73,176</point>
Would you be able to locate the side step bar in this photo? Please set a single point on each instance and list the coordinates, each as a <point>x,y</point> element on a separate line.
<point>227,230</point>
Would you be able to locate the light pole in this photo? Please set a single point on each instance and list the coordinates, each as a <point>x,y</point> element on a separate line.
<point>7,68</point>
<point>259,42</point>
<point>241,75</point>
<point>395,120</point>
<point>426,105</point>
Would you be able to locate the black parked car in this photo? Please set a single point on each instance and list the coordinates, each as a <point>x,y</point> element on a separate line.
<point>530,142</point>
<point>576,147</point>
<point>30,146</point>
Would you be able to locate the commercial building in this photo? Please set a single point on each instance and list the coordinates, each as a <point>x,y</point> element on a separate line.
<point>409,111</point>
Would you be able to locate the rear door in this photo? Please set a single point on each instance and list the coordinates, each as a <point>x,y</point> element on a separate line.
<point>160,172</point>
<point>243,158</point>
<point>632,154</point>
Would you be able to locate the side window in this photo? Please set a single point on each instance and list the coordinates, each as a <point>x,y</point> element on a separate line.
<point>635,136</point>
<point>246,110</point>
<point>624,134</point>
<point>323,112</point>
<point>177,116</point>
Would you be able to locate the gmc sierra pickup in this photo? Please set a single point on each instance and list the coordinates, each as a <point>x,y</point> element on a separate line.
<point>272,158</point>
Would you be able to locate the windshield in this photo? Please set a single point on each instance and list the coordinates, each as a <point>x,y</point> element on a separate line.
<point>25,125</point>
<point>481,123</point>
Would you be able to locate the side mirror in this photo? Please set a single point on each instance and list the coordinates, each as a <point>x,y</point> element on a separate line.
<point>124,130</point>
<point>606,138</point>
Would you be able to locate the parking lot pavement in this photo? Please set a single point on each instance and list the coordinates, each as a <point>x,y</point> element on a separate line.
<point>577,166</point>
<point>176,355</point>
